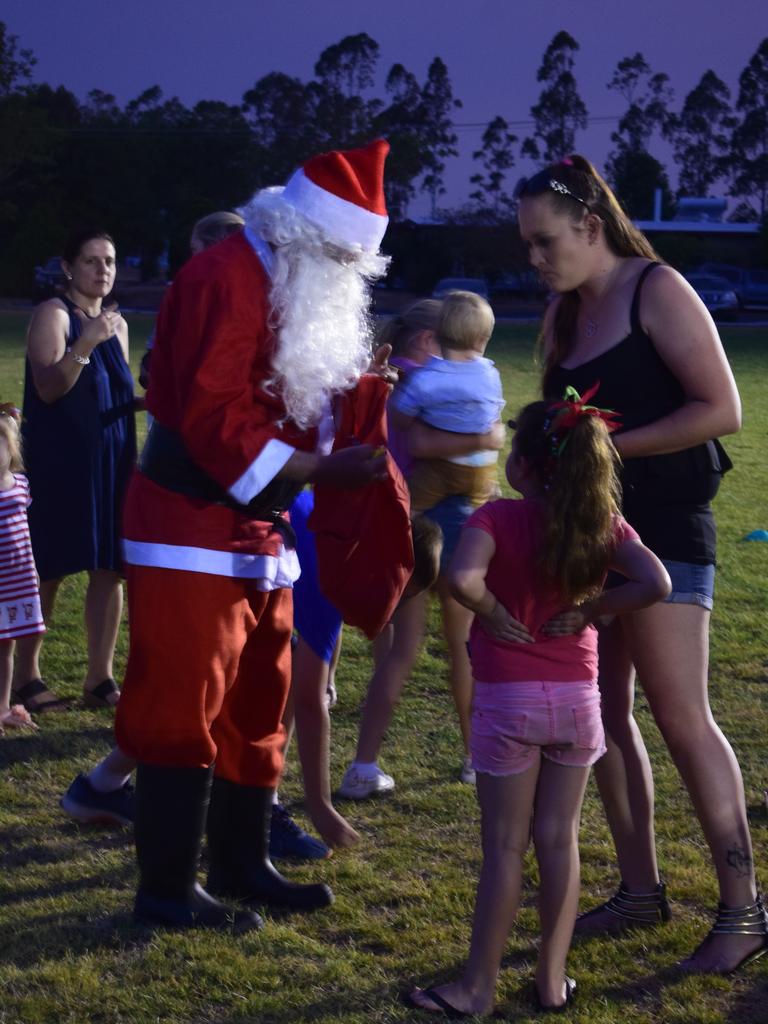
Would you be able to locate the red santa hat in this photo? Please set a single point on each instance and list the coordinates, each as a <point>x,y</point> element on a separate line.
<point>342,193</point>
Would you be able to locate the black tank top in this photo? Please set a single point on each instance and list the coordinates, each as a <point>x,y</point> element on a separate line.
<point>666,497</point>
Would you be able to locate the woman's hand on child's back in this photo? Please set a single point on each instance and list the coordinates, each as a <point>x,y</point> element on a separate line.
<point>503,627</point>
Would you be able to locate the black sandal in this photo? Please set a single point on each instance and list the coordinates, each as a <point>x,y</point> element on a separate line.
<point>570,995</point>
<point>27,693</point>
<point>751,919</point>
<point>98,696</point>
<point>444,1008</point>
<point>631,910</point>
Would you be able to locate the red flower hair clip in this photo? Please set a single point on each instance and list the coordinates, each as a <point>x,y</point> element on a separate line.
<point>564,415</point>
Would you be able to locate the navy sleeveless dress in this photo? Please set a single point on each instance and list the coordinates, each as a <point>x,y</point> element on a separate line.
<point>79,452</point>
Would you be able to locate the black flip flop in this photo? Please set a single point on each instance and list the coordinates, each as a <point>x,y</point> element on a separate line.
<point>97,697</point>
<point>36,688</point>
<point>570,993</point>
<point>446,1008</point>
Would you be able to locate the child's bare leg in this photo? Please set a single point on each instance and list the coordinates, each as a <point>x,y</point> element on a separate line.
<point>6,673</point>
<point>16,716</point>
<point>309,680</point>
<point>27,665</point>
<point>112,772</point>
<point>456,622</point>
<point>395,655</point>
<point>556,819</point>
<point>506,804</point>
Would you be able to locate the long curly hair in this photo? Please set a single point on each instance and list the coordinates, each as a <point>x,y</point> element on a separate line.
<point>578,471</point>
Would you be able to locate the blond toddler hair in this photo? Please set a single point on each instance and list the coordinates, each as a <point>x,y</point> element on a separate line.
<point>466,322</point>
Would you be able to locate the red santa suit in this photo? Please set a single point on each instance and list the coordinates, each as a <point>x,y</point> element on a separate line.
<point>227,615</point>
<point>209,575</point>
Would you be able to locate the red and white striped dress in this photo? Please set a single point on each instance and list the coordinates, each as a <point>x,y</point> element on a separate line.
<point>20,613</point>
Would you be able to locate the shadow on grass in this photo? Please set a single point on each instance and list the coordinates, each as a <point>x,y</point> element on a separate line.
<point>20,851</point>
<point>53,745</point>
<point>751,1003</point>
<point>50,937</point>
<point>119,880</point>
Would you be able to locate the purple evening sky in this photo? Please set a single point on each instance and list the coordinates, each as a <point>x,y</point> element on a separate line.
<point>202,49</point>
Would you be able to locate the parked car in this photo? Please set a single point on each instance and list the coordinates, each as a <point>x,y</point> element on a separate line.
<point>50,277</point>
<point>750,286</point>
<point>460,284</point>
<point>715,292</point>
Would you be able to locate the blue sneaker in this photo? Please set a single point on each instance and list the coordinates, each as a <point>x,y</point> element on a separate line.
<point>86,804</point>
<point>287,839</point>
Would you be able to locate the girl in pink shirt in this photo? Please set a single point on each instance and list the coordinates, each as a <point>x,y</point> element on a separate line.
<point>533,572</point>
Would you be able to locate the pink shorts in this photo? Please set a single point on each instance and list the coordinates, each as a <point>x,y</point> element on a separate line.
<point>511,722</point>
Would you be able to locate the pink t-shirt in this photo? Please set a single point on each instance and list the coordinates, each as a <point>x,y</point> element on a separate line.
<point>515,579</point>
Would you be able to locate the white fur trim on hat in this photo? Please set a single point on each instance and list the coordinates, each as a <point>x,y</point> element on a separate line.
<point>340,220</point>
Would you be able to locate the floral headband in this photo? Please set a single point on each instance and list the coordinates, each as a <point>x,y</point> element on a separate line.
<point>563,416</point>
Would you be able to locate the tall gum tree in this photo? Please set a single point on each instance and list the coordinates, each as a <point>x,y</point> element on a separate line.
<point>749,148</point>
<point>560,111</point>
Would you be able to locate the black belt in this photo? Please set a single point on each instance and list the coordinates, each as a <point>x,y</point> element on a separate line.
<point>165,461</point>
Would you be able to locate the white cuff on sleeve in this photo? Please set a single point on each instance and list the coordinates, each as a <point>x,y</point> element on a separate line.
<point>264,468</point>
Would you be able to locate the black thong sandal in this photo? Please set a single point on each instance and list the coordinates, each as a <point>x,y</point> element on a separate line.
<point>99,696</point>
<point>570,993</point>
<point>446,1009</point>
<point>28,692</point>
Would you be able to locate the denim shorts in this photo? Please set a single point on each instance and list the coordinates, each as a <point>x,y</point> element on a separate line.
<point>450,515</point>
<point>512,722</point>
<point>691,584</point>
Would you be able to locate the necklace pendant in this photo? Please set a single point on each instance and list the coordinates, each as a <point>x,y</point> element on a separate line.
<point>590,329</point>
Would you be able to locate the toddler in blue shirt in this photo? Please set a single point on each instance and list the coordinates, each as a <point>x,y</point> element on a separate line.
<point>460,392</point>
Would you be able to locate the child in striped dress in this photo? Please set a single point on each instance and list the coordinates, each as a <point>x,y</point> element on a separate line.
<point>20,613</point>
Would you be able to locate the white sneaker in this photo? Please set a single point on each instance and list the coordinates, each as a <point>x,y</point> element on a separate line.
<point>467,773</point>
<point>356,786</point>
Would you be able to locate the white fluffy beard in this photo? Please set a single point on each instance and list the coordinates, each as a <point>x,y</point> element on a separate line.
<point>320,305</point>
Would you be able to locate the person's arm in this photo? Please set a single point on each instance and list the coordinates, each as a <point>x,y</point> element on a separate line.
<point>348,468</point>
<point>466,579</point>
<point>647,583</point>
<point>685,337</point>
<point>55,368</point>
<point>121,330</point>
<point>430,443</point>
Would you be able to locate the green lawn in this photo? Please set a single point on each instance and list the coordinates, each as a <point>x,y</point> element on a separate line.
<point>70,953</point>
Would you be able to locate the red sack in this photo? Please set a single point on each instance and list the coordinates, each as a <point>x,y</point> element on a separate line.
<point>363,536</point>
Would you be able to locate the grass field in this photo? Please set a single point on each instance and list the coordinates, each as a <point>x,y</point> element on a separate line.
<point>70,953</point>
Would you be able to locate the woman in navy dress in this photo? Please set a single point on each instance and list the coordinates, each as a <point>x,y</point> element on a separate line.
<point>80,446</point>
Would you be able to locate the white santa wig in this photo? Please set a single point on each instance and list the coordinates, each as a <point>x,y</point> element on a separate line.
<point>320,299</point>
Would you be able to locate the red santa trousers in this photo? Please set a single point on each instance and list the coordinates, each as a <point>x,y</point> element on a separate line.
<point>208,674</point>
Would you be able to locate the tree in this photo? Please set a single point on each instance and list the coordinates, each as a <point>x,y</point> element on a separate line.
<point>15,64</point>
<point>634,173</point>
<point>635,176</point>
<point>400,123</point>
<point>560,112</point>
<point>701,135</point>
<point>349,66</point>
<point>341,116</point>
<point>496,158</point>
<point>749,150</point>
<point>437,102</point>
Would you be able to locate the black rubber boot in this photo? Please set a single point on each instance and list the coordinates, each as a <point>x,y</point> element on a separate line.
<point>238,850</point>
<point>171,808</point>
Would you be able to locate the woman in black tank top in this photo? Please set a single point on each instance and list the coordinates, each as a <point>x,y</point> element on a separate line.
<point>638,328</point>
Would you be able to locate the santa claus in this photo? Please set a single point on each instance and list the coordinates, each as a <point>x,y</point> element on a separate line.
<point>255,337</point>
